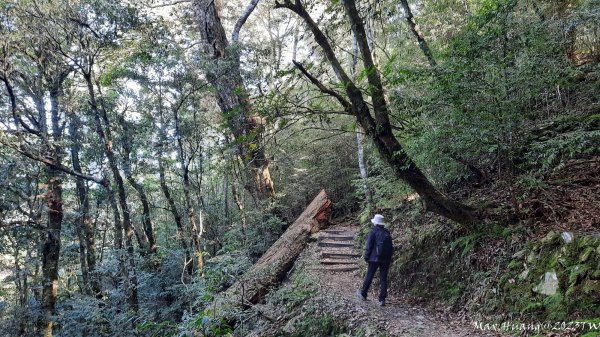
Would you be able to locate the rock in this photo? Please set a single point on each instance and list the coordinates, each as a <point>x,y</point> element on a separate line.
<point>567,237</point>
<point>548,285</point>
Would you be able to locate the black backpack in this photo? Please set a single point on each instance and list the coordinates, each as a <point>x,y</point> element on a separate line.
<point>384,247</point>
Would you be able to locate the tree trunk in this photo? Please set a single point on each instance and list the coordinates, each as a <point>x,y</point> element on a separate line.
<point>273,266</point>
<point>54,201</point>
<point>118,239</point>
<point>51,250</point>
<point>85,226</point>
<point>378,127</point>
<point>148,230</point>
<point>233,98</point>
<point>21,285</point>
<point>362,166</point>
<point>172,205</point>
<point>106,138</point>
<point>185,172</point>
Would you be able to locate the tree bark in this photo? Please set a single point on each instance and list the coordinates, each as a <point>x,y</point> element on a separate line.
<point>378,127</point>
<point>242,19</point>
<point>273,266</point>
<point>118,239</point>
<point>233,98</point>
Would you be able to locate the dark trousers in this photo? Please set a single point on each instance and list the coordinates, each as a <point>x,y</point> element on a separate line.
<point>383,267</point>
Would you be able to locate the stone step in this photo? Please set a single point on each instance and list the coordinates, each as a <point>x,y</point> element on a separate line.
<point>337,238</point>
<point>339,269</point>
<point>339,255</point>
<point>337,231</point>
<point>335,244</point>
<point>338,262</point>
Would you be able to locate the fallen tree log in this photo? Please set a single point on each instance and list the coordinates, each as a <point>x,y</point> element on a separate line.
<point>275,263</point>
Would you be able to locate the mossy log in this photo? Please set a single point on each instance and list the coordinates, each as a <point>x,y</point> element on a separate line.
<point>275,263</point>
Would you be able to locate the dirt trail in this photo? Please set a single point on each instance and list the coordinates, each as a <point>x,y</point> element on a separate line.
<point>338,283</point>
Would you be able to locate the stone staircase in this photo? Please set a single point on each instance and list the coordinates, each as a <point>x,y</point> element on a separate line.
<point>337,251</point>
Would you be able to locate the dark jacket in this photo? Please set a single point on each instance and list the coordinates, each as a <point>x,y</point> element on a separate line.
<point>370,249</point>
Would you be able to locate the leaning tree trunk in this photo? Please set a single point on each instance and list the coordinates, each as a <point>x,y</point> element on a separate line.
<point>377,126</point>
<point>410,19</point>
<point>272,267</point>
<point>233,98</point>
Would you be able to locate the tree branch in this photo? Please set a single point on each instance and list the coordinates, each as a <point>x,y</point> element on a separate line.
<point>319,37</point>
<point>359,106</point>
<point>53,164</point>
<point>240,22</point>
<point>410,19</point>
<point>347,106</point>
<point>13,105</point>
<point>373,77</point>
<point>85,25</point>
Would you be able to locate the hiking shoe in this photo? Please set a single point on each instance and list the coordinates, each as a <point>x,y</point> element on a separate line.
<point>382,303</point>
<point>360,296</point>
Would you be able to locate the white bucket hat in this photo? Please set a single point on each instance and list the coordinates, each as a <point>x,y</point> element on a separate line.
<point>377,219</point>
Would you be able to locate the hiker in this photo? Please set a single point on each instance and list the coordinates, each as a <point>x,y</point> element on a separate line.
<point>378,254</point>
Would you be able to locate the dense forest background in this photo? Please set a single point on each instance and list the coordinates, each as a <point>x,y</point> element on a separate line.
<point>151,152</point>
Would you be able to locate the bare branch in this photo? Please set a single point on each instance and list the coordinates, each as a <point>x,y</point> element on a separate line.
<point>359,106</point>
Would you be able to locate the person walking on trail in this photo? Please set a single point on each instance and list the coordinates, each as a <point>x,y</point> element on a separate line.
<point>378,254</point>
